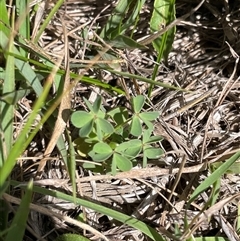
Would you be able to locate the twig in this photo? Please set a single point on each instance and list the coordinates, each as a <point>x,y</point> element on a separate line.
<point>64,109</point>
<point>144,173</point>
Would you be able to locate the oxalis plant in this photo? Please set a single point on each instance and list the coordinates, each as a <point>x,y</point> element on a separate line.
<point>114,138</point>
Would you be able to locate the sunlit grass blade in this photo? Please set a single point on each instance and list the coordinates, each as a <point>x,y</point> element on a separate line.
<point>147,80</point>
<point>215,191</point>
<point>113,26</point>
<point>45,69</point>
<point>71,165</point>
<point>6,124</point>
<point>163,14</point>
<point>125,219</point>
<point>13,97</point>
<point>57,5</point>
<point>133,19</point>
<point>22,8</point>
<point>19,222</point>
<point>4,19</point>
<point>7,110</point>
<point>214,177</point>
<point>24,67</point>
<point>206,238</point>
<point>25,135</point>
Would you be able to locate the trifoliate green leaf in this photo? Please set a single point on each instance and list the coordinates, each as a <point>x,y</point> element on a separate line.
<point>88,104</point>
<point>105,126</point>
<point>102,147</point>
<point>154,139</point>
<point>149,116</point>
<point>99,157</point>
<point>119,115</point>
<point>97,104</point>
<point>81,118</point>
<point>153,153</point>
<point>127,144</point>
<point>132,152</point>
<point>146,135</point>
<point>86,129</point>
<point>136,127</point>
<point>122,162</point>
<point>138,103</point>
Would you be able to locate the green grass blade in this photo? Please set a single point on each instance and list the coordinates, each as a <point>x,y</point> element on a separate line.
<point>211,239</point>
<point>71,165</point>
<point>22,7</point>
<point>57,5</point>
<point>84,79</point>
<point>125,219</point>
<point>19,222</point>
<point>24,68</point>
<point>215,191</point>
<point>214,177</point>
<point>22,141</point>
<point>44,70</point>
<point>163,14</point>
<point>6,125</point>
<point>4,232</point>
<point>4,19</point>
<point>113,26</point>
<point>13,97</point>
<point>7,110</point>
<point>133,19</point>
<point>146,80</point>
<point>26,71</point>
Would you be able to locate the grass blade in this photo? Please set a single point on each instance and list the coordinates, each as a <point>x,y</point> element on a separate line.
<point>57,5</point>
<point>4,19</point>
<point>22,142</point>
<point>7,110</point>
<point>125,219</point>
<point>113,26</point>
<point>22,7</point>
<point>214,177</point>
<point>18,225</point>
<point>6,123</point>
<point>163,14</point>
<point>25,69</point>
<point>146,80</point>
<point>71,165</point>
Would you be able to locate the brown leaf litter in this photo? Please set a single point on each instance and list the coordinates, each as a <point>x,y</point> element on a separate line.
<point>199,127</point>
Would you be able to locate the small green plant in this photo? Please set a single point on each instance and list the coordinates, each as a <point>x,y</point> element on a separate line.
<point>114,138</point>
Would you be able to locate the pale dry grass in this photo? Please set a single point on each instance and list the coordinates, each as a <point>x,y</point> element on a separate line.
<point>203,129</point>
